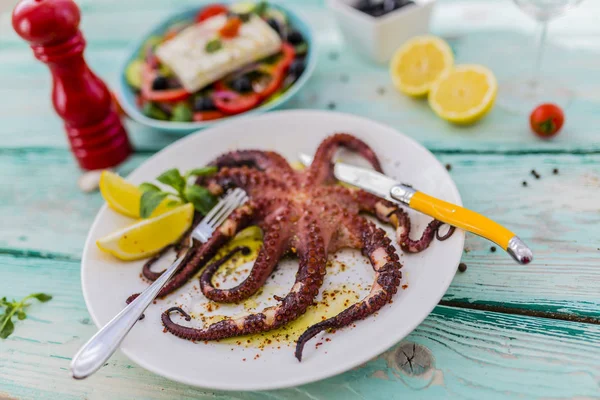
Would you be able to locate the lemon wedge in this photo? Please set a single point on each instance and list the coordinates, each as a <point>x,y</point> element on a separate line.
<point>124,197</point>
<point>147,237</point>
<point>418,63</point>
<point>465,94</point>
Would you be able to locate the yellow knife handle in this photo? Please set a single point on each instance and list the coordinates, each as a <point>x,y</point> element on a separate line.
<point>473,222</point>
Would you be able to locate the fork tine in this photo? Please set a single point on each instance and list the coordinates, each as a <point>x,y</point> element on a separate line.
<point>212,216</point>
<point>225,209</point>
<point>231,203</point>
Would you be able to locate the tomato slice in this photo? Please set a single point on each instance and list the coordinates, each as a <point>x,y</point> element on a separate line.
<point>237,103</point>
<point>207,115</point>
<point>169,95</point>
<point>231,28</point>
<point>210,11</point>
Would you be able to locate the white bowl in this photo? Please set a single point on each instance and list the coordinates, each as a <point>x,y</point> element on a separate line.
<point>379,37</point>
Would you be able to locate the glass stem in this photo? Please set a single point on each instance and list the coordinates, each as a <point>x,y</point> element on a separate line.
<point>540,53</point>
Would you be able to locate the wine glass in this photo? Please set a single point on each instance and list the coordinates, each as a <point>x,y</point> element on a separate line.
<point>522,95</point>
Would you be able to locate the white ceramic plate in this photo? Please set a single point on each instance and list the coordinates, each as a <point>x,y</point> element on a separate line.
<point>107,282</point>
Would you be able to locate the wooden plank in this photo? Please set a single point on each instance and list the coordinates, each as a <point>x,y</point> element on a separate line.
<point>564,277</point>
<point>459,353</point>
<point>479,33</point>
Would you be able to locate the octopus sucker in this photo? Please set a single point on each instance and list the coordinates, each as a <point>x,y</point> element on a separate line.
<point>303,213</point>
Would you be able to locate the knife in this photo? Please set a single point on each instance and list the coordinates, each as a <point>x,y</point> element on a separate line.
<point>451,214</point>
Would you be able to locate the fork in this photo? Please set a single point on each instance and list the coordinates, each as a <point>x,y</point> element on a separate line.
<point>106,341</point>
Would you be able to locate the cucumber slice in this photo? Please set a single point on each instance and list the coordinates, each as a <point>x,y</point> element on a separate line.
<point>243,7</point>
<point>182,113</point>
<point>133,74</point>
<point>277,15</point>
<point>151,110</point>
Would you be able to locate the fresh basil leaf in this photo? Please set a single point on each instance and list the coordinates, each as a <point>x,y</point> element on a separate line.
<point>173,178</point>
<point>201,198</point>
<point>148,187</point>
<point>204,171</point>
<point>21,314</point>
<point>149,201</point>
<point>43,297</point>
<point>213,45</point>
<point>4,302</point>
<point>7,327</point>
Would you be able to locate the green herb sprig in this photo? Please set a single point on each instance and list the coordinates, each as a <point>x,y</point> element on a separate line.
<point>183,191</point>
<point>12,308</point>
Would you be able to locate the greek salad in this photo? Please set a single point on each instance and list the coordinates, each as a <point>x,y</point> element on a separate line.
<point>229,59</point>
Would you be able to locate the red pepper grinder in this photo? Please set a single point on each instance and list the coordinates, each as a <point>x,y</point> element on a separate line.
<point>97,136</point>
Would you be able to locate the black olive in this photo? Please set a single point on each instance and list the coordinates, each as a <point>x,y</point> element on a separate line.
<point>160,83</point>
<point>242,84</point>
<point>295,37</point>
<point>363,5</point>
<point>204,103</point>
<point>297,67</point>
<point>275,25</point>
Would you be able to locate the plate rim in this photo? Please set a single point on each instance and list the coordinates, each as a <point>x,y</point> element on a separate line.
<point>293,381</point>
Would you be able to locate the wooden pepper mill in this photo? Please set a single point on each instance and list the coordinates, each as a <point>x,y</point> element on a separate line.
<point>97,136</point>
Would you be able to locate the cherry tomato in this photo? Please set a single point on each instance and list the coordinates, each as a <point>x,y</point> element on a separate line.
<point>231,28</point>
<point>546,120</point>
<point>211,11</point>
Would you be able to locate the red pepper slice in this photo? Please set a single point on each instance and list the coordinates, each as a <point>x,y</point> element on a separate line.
<point>279,70</point>
<point>211,11</point>
<point>238,104</point>
<point>169,95</point>
<point>207,115</point>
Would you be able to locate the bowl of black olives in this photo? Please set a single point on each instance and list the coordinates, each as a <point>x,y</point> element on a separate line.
<point>376,28</point>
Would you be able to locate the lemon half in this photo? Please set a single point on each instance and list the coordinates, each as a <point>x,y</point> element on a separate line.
<point>124,197</point>
<point>147,237</point>
<point>418,63</point>
<point>465,94</point>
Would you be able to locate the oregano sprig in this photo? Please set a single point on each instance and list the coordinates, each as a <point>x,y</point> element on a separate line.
<point>184,190</point>
<point>12,308</point>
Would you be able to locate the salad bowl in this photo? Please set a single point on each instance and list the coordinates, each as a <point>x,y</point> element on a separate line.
<point>129,97</point>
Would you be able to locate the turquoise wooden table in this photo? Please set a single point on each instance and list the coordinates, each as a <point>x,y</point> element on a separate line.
<point>502,330</point>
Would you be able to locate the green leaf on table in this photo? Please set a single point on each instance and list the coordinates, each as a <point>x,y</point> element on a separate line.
<point>148,187</point>
<point>21,315</point>
<point>149,201</point>
<point>4,302</point>
<point>43,297</point>
<point>6,327</point>
<point>173,178</point>
<point>202,199</point>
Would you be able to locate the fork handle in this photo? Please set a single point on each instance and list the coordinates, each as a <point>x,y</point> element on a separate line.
<point>106,341</point>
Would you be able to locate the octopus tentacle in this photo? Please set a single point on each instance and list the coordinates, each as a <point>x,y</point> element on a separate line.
<point>268,161</point>
<point>200,254</point>
<point>384,260</point>
<point>275,242</point>
<point>254,182</point>
<point>391,213</point>
<point>309,278</point>
<point>321,169</point>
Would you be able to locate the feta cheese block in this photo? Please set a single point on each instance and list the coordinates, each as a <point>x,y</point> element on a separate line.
<point>195,67</point>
